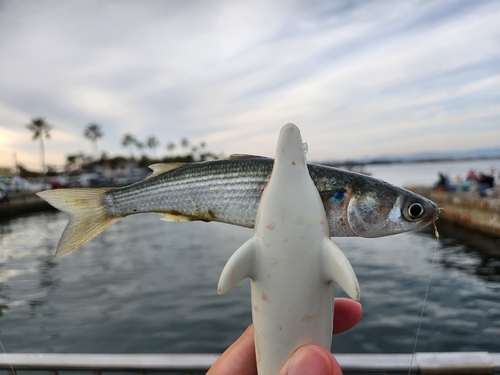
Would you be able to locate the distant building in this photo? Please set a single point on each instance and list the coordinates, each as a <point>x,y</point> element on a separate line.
<point>5,171</point>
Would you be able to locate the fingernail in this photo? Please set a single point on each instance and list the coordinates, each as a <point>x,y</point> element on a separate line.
<point>310,360</point>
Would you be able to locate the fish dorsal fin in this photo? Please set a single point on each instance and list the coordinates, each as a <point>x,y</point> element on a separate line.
<point>245,156</point>
<point>161,168</point>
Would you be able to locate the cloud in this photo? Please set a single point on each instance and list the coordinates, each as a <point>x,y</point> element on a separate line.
<point>359,78</point>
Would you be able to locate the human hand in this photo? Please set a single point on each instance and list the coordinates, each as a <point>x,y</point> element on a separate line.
<point>239,358</point>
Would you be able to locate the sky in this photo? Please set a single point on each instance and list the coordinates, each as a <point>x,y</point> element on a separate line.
<point>359,78</point>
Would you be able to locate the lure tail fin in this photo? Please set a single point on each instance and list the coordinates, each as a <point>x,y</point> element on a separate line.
<point>87,219</point>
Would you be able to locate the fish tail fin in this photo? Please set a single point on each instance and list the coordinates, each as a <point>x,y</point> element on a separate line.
<point>87,213</point>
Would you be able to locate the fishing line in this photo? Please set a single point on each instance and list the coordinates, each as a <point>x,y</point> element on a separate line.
<point>10,364</point>
<point>436,233</point>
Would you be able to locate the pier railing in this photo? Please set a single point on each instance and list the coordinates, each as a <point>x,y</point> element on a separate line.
<point>423,363</point>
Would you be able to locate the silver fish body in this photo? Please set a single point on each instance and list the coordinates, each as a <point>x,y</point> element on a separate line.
<point>229,191</point>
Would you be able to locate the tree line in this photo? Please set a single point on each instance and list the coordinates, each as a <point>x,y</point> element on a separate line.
<point>93,132</point>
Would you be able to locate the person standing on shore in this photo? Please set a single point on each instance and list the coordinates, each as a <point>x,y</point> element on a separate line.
<point>484,183</point>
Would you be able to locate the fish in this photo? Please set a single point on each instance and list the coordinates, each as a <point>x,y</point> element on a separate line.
<point>291,262</point>
<point>229,191</point>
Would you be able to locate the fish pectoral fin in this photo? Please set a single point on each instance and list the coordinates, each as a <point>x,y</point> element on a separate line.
<point>336,267</point>
<point>161,168</point>
<point>239,266</point>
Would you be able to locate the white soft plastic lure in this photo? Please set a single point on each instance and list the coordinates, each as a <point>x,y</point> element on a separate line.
<point>291,262</point>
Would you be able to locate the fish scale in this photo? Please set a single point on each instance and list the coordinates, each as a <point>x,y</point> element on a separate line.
<point>209,192</point>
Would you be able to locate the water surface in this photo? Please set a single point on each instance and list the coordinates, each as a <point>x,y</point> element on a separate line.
<point>147,286</point>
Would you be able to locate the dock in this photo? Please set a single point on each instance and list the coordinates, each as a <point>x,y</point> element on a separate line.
<point>22,203</point>
<point>466,209</point>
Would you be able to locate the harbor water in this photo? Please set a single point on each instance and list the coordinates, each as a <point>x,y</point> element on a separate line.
<point>147,286</point>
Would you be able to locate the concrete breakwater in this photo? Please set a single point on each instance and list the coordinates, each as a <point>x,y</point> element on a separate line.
<point>465,209</point>
<point>21,203</point>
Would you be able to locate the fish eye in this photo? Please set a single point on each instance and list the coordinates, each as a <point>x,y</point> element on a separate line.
<point>413,211</point>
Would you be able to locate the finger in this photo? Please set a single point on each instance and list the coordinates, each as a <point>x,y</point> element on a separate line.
<point>311,359</point>
<point>239,358</point>
<point>346,314</point>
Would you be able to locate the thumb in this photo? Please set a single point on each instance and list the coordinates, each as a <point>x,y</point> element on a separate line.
<point>311,360</point>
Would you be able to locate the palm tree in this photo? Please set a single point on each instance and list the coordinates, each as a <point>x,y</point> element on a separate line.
<point>74,162</point>
<point>140,146</point>
<point>93,132</point>
<point>185,143</point>
<point>203,155</point>
<point>171,147</point>
<point>152,143</point>
<point>194,151</point>
<point>129,140</point>
<point>40,129</point>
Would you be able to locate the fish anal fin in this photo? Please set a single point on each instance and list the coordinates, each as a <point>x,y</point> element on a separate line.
<point>87,219</point>
<point>336,267</point>
<point>166,216</point>
<point>239,266</point>
<point>161,168</point>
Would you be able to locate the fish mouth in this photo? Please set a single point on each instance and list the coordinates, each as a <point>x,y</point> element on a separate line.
<point>434,215</point>
<point>433,219</point>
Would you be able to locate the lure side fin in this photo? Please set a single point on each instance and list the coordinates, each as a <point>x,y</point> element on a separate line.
<point>87,219</point>
<point>336,267</point>
<point>239,266</point>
